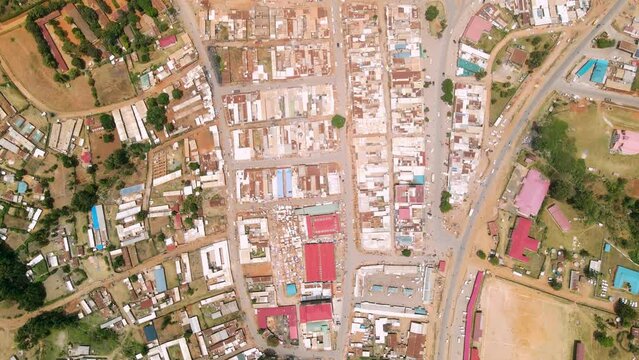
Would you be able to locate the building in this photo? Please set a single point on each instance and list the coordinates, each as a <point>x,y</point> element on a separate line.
<point>518,57</point>
<point>316,312</point>
<point>579,352</point>
<point>624,142</point>
<point>476,27</point>
<point>532,193</point>
<point>627,46</point>
<point>319,260</point>
<point>520,242</point>
<point>289,312</point>
<point>560,219</point>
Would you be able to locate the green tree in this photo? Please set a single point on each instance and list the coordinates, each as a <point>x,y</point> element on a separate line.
<point>78,62</point>
<point>481,254</point>
<point>194,166</point>
<point>444,203</point>
<point>14,284</point>
<point>480,75</point>
<point>69,161</point>
<point>406,252</point>
<point>41,326</point>
<point>107,122</point>
<point>626,312</point>
<point>84,199</point>
<point>431,13</point>
<point>108,138</point>
<point>177,94</point>
<point>338,121</point>
<point>447,89</point>
<point>603,339</point>
<point>163,99</point>
<point>141,215</point>
<point>118,262</point>
<point>117,160</point>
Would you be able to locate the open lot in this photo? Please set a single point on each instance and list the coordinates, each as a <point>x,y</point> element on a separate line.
<point>113,83</point>
<point>19,56</point>
<point>521,323</point>
<point>591,126</point>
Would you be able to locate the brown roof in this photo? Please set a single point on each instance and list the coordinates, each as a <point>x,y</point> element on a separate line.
<point>518,57</point>
<point>627,47</point>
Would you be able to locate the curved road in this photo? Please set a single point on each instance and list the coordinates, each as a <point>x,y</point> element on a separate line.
<point>553,79</point>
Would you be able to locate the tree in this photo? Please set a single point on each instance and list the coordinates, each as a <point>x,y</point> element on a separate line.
<point>108,138</point>
<point>406,252</point>
<point>431,13</point>
<point>481,254</point>
<point>177,94</point>
<point>69,161</point>
<point>626,312</point>
<point>272,340</point>
<point>338,121</point>
<point>84,199</point>
<point>194,166</point>
<point>20,173</point>
<point>444,203</point>
<point>535,40</point>
<point>118,262</point>
<point>40,327</point>
<point>447,89</point>
<point>480,75</point>
<point>117,160</point>
<point>107,122</point>
<point>163,99</point>
<point>494,260</point>
<point>603,339</point>
<point>14,284</point>
<point>141,215</point>
<point>555,284</point>
<point>78,62</point>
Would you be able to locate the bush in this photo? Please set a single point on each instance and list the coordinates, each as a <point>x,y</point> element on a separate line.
<point>480,75</point>
<point>603,42</point>
<point>406,252</point>
<point>108,138</point>
<point>194,166</point>
<point>78,62</point>
<point>481,254</point>
<point>431,13</point>
<point>494,260</point>
<point>338,121</point>
<point>272,341</point>
<point>603,339</point>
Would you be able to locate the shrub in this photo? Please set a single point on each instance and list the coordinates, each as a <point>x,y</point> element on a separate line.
<point>406,252</point>
<point>177,94</point>
<point>444,203</point>
<point>108,138</point>
<point>481,254</point>
<point>272,341</point>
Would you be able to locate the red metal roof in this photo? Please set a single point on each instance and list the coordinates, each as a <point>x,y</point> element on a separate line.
<point>474,354</point>
<point>470,307</point>
<point>442,266</point>
<point>321,225</point>
<point>315,312</point>
<point>532,193</point>
<point>580,351</point>
<point>168,41</point>
<point>289,311</point>
<point>477,326</point>
<point>520,241</point>
<point>320,262</point>
<point>412,194</point>
<point>62,65</point>
<point>559,217</point>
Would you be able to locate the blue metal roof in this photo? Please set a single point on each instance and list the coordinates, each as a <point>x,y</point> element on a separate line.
<point>94,217</point>
<point>160,279</point>
<point>468,66</point>
<point>149,333</point>
<point>599,73</point>
<point>586,67</point>
<point>625,275</point>
<point>22,187</point>
<point>131,190</point>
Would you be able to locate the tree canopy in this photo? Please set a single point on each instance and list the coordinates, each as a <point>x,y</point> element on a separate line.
<point>431,13</point>
<point>338,121</point>
<point>107,122</point>
<point>14,284</point>
<point>84,199</point>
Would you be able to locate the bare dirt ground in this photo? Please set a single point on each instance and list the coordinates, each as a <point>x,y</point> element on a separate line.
<point>23,64</point>
<point>520,323</point>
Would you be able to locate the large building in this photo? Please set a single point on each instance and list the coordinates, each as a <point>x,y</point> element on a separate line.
<point>532,193</point>
<point>520,242</point>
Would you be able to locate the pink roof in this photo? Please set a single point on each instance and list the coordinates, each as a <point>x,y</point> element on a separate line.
<point>442,266</point>
<point>289,311</point>
<point>168,41</point>
<point>559,217</point>
<point>85,157</point>
<point>470,308</point>
<point>476,27</point>
<point>625,142</point>
<point>412,194</point>
<point>404,213</point>
<point>315,312</point>
<point>520,241</point>
<point>320,225</point>
<point>477,326</point>
<point>532,193</point>
<point>320,262</point>
<point>474,354</point>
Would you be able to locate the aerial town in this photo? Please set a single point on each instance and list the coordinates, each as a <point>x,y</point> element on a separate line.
<point>319,179</point>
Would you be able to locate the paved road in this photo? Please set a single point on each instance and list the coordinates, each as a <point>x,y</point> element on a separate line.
<point>590,91</point>
<point>554,79</point>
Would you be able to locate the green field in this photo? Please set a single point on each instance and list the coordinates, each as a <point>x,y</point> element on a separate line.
<point>500,95</point>
<point>85,332</point>
<point>592,127</point>
<point>588,236</point>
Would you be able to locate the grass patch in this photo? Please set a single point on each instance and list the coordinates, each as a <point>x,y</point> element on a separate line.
<point>489,40</point>
<point>500,95</point>
<point>589,236</point>
<point>438,25</point>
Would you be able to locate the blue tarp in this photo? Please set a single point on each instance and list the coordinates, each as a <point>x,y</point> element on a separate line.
<point>94,218</point>
<point>160,279</point>
<point>280,183</point>
<point>586,67</point>
<point>419,179</point>
<point>625,275</point>
<point>291,289</point>
<point>404,240</point>
<point>131,190</point>
<point>607,247</point>
<point>99,247</point>
<point>289,182</point>
<point>599,73</point>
